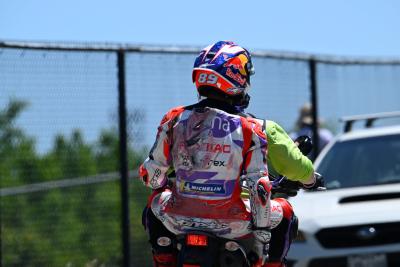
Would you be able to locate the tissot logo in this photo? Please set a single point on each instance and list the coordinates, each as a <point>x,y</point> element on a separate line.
<point>366,233</point>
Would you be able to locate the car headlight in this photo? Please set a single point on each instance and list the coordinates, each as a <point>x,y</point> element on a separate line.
<point>300,238</point>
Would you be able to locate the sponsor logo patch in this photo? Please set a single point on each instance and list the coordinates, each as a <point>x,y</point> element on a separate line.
<point>201,224</point>
<point>236,76</point>
<point>217,163</point>
<point>203,188</point>
<point>216,148</point>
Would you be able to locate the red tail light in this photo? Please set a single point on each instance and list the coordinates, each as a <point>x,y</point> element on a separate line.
<point>196,240</point>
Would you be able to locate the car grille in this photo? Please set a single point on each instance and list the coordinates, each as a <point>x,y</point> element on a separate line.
<point>359,235</point>
<point>393,260</point>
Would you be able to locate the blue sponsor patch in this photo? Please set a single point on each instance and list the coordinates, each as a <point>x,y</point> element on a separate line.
<point>204,188</point>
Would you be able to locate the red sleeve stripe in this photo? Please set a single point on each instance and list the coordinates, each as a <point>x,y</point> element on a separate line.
<point>247,138</point>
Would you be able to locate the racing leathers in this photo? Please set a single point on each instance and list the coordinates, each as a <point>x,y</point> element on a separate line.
<point>211,146</point>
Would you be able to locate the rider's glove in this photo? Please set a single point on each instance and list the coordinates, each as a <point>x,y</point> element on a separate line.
<point>319,182</point>
<point>287,187</point>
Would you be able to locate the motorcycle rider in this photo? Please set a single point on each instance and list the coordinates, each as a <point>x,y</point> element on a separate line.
<point>211,145</point>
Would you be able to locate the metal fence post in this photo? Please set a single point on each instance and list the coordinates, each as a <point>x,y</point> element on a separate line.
<point>125,224</point>
<point>1,231</point>
<point>314,102</point>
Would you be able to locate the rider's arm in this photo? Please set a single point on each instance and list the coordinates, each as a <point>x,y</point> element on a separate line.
<point>256,174</point>
<point>285,158</point>
<point>153,172</point>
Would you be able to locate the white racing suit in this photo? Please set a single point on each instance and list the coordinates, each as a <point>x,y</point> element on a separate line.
<point>210,150</point>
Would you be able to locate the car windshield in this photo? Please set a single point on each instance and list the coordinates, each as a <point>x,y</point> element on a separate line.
<point>361,162</point>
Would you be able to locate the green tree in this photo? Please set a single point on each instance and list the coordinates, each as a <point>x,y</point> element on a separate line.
<point>17,150</point>
<point>71,226</point>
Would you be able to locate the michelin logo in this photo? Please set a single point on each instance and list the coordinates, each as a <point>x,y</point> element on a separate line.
<point>204,188</point>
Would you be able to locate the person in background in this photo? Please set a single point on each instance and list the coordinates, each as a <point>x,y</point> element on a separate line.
<point>304,126</point>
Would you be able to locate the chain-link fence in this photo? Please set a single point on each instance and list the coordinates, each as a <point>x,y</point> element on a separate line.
<point>74,118</point>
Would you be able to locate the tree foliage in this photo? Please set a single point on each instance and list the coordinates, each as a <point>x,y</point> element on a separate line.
<point>74,226</point>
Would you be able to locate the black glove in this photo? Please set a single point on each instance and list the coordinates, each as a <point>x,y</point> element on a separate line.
<point>286,187</point>
<point>290,185</point>
<point>318,185</point>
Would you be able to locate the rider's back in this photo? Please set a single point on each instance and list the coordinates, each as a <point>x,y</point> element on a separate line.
<point>210,148</point>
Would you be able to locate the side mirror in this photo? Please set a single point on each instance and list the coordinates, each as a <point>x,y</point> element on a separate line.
<point>304,143</point>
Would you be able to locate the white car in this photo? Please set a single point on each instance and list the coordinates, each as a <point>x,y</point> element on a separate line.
<point>356,222</point>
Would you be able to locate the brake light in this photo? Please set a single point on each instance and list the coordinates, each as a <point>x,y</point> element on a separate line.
<point>196,240</point>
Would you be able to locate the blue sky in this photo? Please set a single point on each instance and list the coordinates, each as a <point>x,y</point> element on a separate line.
<point>340,27</point>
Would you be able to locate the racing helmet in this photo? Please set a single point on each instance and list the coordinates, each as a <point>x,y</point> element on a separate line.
<point>223,67</point>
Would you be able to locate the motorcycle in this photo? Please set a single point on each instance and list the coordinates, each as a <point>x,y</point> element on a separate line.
<point>203,249</point>
<point>198,249</point>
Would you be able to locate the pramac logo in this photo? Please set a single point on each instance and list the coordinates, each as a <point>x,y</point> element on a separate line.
<point>215,148</point>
